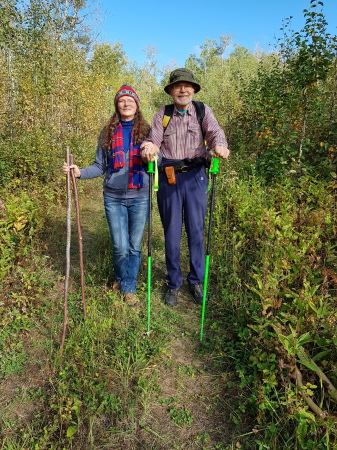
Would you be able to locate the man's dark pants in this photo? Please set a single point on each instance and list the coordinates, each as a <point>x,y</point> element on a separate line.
<point>185,201</point>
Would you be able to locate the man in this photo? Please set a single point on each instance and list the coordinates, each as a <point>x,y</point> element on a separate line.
<point>182,194</point>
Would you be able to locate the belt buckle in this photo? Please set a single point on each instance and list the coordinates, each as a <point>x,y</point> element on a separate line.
<point>184,169</point>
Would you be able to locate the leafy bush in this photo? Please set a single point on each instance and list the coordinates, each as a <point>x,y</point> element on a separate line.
<point>19,223</point>
<point>276,257</point>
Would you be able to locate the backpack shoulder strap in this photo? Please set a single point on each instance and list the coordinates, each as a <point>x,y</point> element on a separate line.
<point>200,110</point>
<point>168,113</point>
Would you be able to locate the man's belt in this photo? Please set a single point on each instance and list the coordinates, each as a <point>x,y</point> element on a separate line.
<point>184,165</point>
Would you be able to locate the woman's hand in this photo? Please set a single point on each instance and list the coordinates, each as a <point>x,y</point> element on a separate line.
<point>66,169</point>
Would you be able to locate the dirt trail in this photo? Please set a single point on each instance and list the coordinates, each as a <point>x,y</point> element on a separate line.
<point>185,378</point>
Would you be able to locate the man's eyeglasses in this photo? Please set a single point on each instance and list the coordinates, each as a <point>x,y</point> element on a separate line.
<point>178,87</point>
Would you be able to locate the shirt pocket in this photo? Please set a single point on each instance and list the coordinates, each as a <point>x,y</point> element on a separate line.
<point>194,135</point>
<point>170,137</point>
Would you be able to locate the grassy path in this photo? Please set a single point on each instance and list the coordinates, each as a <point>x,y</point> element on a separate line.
<point>187,408</point>
<point>116,386</point>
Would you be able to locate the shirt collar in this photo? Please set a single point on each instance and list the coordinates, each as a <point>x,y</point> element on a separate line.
<point>175,112</point>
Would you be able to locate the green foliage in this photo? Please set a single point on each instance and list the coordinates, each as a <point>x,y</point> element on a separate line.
<point>278,245</point>
<point>309,53</point>
<point>19,223</point>
<point>277,116</point>
<point>13,356</point>
<point>181,416</point>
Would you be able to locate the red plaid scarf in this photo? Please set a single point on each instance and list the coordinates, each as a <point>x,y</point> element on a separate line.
<point>136,167</point>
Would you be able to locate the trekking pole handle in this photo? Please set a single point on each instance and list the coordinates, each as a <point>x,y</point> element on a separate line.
<point>214,165</point>
<point>153,168</point>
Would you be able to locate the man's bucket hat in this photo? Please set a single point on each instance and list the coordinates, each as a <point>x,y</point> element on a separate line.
<point>179,75</point>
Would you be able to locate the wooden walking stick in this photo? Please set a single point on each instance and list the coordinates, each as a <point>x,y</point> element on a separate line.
<point>80,240</point>
<point>66,280</point>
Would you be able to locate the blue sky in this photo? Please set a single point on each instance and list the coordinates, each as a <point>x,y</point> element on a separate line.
<point>177,29</point>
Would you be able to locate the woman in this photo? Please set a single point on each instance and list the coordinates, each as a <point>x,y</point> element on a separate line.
<point>125,187</point>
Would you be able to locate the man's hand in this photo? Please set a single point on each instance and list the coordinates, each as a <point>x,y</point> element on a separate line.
<point>219,151</point>
<point>148,149</point>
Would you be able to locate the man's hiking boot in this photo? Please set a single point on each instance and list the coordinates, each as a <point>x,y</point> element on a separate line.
<point>197,291</point>
<point>131,299</point>
<point>171,297</point>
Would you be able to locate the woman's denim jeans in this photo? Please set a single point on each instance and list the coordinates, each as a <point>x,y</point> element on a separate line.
<point>126,219</point>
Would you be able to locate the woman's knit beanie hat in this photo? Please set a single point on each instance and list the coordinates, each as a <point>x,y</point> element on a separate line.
<point>127,90</point>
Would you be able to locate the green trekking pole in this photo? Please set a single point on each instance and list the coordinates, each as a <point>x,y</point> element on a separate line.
<point>214,169</point>
<point>152,169</point>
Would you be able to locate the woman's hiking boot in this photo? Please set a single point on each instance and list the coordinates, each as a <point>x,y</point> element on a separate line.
<point>131,299</point>
<point>116,287</point>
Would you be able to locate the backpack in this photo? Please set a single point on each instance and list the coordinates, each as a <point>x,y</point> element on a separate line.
<point>199,108</point>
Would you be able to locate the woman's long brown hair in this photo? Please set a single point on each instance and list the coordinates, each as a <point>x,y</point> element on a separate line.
<point>141,129</point>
